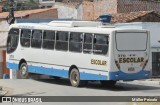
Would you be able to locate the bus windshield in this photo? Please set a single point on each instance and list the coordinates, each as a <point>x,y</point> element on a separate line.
<point>126,41</point>
<point>12,41</point>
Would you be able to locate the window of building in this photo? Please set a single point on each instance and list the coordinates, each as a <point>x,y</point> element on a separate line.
<point>25,37</point>
<point>36,38</point>
<point>62,41</point>
<point>12,41</point>
<point>100,45</point>
<point>48,39</point>
<point>87,45</point>
<point>75,44</point>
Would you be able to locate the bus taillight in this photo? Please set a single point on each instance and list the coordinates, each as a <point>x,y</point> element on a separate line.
<point>117,64</point>
<point>145,64</point>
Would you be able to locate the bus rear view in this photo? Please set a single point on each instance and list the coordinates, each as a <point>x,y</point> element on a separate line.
<point>131,55</point>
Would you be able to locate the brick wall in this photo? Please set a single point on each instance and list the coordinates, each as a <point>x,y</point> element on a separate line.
<point>45,15</point>
<point>105,7</point>
<point>88,10</point>
<point>137,5</point>
<point>92,10</point>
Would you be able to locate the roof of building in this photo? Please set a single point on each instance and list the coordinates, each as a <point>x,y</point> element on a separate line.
<point>70,4</point>
<point>24,13</point>
<point>128,17</point>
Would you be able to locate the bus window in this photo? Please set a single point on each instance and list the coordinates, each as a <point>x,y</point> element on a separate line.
<point>87,45</point>
<point>25,37</point>
<point>12,41</point>
<point>62,41</point>
<point>36,38</point>
<point>100,45</point>
<point>48,39</point>
<point>75,43</point>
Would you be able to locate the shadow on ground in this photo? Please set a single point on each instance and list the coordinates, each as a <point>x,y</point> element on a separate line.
<point>120,86</point>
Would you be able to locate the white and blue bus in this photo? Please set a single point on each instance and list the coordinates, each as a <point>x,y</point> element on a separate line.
<point>80,51</point>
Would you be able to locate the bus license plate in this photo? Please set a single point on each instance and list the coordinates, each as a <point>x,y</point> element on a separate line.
<point>131,69</point>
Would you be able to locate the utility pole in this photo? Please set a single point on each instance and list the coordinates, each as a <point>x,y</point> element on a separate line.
<point>10,17</point>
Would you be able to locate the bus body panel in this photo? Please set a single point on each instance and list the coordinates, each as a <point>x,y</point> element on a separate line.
<point>131,65</point>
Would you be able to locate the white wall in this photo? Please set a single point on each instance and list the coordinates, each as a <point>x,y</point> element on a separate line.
<point>46,2</point>
<point>4,26</point>
<point>65,11</point>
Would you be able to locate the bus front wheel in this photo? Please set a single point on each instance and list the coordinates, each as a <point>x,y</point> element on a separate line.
<point>74,78</point>
<point>23,72</point>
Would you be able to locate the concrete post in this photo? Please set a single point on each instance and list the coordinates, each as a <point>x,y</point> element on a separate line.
<point>13,74</point>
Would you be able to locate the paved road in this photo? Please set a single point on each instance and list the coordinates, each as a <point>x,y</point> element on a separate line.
<point>63,88</point>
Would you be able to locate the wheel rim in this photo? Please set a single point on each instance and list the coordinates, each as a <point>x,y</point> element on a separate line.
<point>74,77</point>
<point>24,70</point>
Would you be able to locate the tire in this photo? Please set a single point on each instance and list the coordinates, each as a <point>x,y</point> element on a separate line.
<point>74,78</point>
<point>108,83</point>
<point>23,72</point>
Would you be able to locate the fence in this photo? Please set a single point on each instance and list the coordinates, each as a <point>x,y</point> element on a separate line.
<point>137,5</point>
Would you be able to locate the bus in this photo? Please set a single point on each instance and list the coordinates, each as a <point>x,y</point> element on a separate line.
<point>80,51</point>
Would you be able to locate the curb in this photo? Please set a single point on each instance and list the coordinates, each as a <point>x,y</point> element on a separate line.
<point>149,81</point>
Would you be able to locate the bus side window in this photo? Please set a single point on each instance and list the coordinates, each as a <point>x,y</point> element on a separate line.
<point>12,41</point>
<point>62,40</point>
<point>25,37</point>
<point>87,45</point>
<point>75,43</point>
<point>36,38</point>
<point>100,45</point>
<point>48,39</point>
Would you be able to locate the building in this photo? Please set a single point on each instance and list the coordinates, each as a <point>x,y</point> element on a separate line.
<point>140,16</point>
<point>75,10</point>
<point>49,13</point>
<point>46,3</point>
<point>67,10</point>
<point>31,14</point>
<point>87,10</point>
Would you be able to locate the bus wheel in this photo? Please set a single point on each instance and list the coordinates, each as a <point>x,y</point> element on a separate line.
<point>23,72</point>
<point>74,78</point>
<point>108,83</point>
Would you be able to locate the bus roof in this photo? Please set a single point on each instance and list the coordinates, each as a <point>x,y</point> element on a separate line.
<point>73,26</point>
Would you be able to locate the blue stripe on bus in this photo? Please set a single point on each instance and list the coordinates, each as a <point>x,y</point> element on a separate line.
<point>85,76</point>
<point>57,72</point>
<point>143,74</point>
<point>12,66</point>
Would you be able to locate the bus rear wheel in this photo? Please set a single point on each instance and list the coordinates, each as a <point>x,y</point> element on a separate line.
<point>23,72</point>
<point>74,78</point>
<point>108,83</point>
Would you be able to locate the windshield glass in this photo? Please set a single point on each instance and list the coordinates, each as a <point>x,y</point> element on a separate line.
<point>131,41</point>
